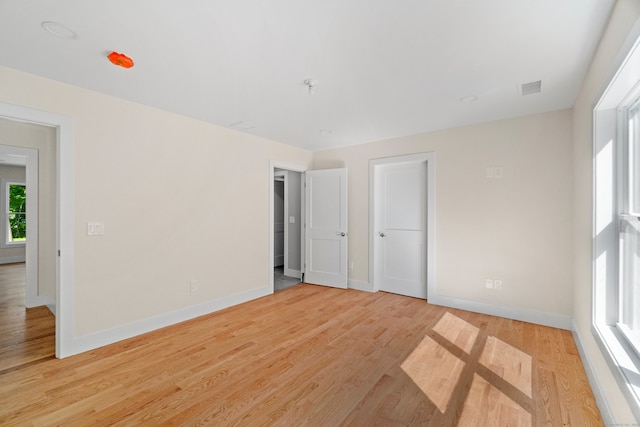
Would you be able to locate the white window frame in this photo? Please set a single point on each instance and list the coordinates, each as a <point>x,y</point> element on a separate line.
<point>629,183</point>
<point>611,195</point>
<point>4,193</point>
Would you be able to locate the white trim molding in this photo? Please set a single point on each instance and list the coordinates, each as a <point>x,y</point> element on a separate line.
<point>532,316</point>
<point>12,259</point>
<point>293,273</point>
<point>596,387</point>
<point>360,285</point>
<point>119,333</point>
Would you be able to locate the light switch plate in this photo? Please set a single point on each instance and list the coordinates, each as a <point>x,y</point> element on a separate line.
<point>490,172</point>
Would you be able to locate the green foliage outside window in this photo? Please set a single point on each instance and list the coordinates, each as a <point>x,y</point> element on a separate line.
<point>17,212</point>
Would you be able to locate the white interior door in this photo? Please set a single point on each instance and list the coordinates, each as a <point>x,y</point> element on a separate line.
<point>400,228</point>
<point>326,227</point>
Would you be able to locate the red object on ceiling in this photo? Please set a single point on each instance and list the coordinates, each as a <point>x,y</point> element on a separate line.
<point>120,60</point>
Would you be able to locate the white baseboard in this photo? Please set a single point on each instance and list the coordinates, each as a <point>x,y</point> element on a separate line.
<point>39,301</point>
<point>360,285</point>
<point>52,308</point>
<point>293,273</point>
<point>532,316</point>
<point>119,333</point>
<point>12,259</point>
<point>601,400</point>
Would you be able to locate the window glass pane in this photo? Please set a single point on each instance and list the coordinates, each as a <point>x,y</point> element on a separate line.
<point>17,198</point>
<point>16,213</point>
<point>17,227</point>
<point>634,159</point>
<point>630,289</point>
<point>629,303</point>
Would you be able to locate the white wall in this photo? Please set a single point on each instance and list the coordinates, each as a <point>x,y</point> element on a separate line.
<point>10,173</point>
<point>624,16</point>
<point>43,139</point>
<point>180,199</point>
<point>517,229</point>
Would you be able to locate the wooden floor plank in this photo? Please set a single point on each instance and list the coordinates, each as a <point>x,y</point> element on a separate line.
<point>308,355</point>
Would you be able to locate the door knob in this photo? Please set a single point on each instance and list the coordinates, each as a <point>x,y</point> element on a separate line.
<point>381,234</point>
<point>342,234</point>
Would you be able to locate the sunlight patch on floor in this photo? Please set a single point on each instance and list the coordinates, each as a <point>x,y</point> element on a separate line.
<point>434,370</point>
<point>457,331</point>
<point>486,405</point>
<point>437,372</point>
<point>509,363</point>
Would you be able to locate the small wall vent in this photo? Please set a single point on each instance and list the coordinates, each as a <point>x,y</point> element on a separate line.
<point>531,88</point>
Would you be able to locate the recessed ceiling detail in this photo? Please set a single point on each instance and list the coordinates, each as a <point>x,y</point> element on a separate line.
<point>468,99</point>
<point>58,30</point>
<point>531,88</point>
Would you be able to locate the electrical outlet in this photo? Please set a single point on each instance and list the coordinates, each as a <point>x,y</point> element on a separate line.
<point>497,284</point>
<point>489,283</point>
<point>494,172</point>
<point>95,228</point>
<point>194,286</point>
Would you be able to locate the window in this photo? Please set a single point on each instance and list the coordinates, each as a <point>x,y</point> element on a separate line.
<point>629,226</point>
<point>16,213</point>
<point>616,239</point>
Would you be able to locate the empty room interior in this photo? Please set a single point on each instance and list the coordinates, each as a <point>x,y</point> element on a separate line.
<point>336,213</point>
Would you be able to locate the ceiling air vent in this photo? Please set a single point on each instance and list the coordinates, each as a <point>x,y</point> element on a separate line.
<point>530,88</point>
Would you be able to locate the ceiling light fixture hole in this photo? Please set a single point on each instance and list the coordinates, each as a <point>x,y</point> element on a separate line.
<point>311,84</point>
<point>59,30</point>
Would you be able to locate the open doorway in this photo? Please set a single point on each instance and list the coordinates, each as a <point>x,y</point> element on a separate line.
<point>62,222</point>
<point>287,223</point>
<point>27,242</point>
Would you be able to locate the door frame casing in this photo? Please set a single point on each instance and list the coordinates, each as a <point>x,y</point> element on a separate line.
<point>430,159</point>
<point>65,340</point>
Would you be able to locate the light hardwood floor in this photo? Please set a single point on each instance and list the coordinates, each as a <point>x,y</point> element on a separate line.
<point>26,336</point>
<point>308,355</point>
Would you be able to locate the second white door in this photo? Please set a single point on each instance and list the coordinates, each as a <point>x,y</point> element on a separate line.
<point>326,228</point>
<point>400,228</point>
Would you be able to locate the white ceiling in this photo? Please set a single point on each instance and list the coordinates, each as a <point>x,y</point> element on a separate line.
<point>384,68</point>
